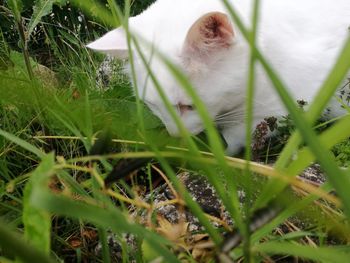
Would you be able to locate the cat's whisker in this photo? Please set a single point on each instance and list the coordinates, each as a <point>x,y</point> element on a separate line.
<point>236,113</point>
<point>229,122</point>
<point>237,120</point>
<point>232,112</point>
<point>231,115</point>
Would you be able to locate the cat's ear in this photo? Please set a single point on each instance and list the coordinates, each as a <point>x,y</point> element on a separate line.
<point>113,43</point>
<point>211,33</point>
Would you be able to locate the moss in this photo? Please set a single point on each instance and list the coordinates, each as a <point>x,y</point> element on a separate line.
<point>342,153</point>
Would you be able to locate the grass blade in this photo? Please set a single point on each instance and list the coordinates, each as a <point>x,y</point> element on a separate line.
<point>22,143</point>
<point>37,222</point>
<point>319,254</point>
<point>98,11</point>
<point>106,217</point>
<point>13,244</point>
<point>41,9</point>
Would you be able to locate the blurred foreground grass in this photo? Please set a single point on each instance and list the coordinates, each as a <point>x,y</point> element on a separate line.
<point>53,197</point>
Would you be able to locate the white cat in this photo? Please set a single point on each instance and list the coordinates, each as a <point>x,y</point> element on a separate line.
<point>300,38</point>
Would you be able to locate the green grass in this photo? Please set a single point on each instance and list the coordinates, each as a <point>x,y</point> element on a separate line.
<point>52,193</point>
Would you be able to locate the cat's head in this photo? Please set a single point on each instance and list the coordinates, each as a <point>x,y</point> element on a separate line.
<point>202,49</point>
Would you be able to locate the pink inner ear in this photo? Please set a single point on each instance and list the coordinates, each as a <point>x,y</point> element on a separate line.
<point>211,32</point>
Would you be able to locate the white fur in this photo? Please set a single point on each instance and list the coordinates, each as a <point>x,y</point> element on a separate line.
<point>300,38</point>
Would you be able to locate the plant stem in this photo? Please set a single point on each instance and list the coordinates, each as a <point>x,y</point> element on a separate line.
<point>24,46</point>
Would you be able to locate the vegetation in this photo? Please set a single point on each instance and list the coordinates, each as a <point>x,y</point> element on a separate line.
<point>61,137</point>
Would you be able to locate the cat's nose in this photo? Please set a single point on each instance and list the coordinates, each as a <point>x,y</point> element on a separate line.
<point>183,108</point>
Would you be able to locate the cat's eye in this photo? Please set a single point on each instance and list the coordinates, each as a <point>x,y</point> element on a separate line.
<point>183,108</point>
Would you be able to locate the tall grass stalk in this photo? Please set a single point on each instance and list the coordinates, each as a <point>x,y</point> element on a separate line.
<point>249,127</point>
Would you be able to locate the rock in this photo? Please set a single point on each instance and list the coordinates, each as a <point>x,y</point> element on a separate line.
<point>314,174</point>
<point>47,77</point>
<point>201,191</point>
<point>111,73</point>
